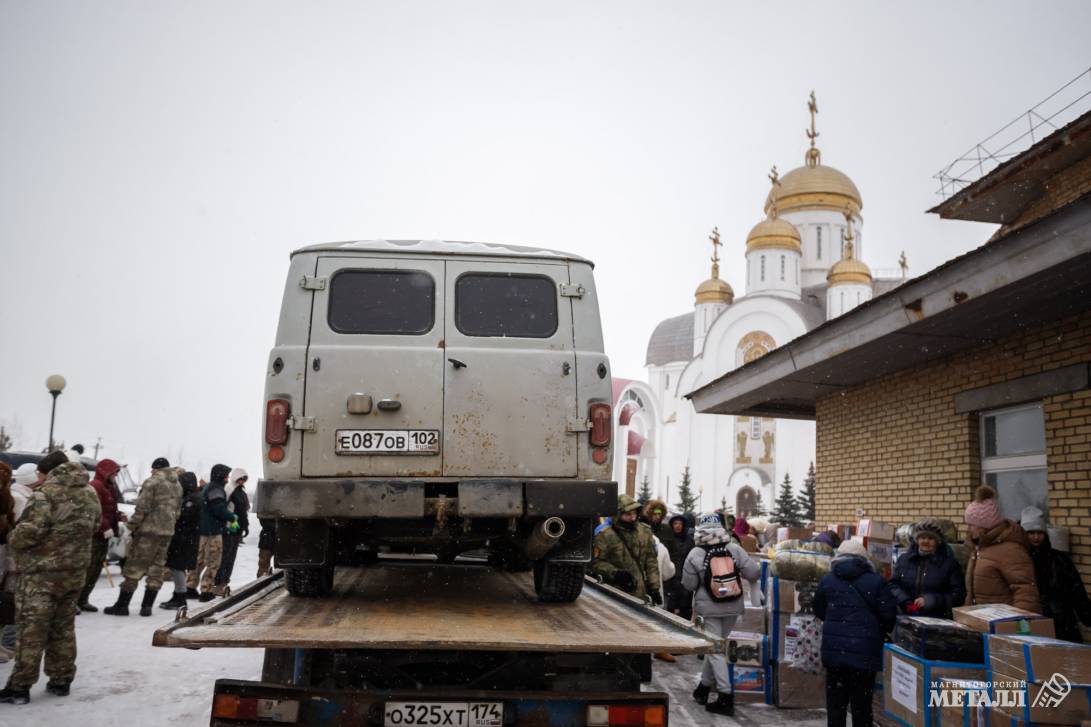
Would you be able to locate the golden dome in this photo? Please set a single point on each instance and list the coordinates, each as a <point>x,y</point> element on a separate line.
<point>774,233</point>
<point>815,186</point>
<point>848,270</point>
<point>715,290</point>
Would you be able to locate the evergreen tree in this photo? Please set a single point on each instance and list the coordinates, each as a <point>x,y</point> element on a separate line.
<point>786,508</point>
<point>807,499</point>
<point>759,508</point>
<point>645,490</point>
<point>687,499</point>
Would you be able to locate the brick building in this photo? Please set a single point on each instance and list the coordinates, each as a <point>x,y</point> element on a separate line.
<point>978,371</point>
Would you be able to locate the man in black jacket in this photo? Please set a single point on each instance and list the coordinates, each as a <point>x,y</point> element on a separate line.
<point>1060,588</point>
<point>216,519</point>
<point>239,503</point>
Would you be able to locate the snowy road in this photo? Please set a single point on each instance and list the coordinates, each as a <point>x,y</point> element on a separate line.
<point>123,680</point>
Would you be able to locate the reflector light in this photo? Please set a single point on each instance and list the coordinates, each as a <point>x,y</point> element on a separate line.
<point>276,421</point>
<point>225,705</point>
<point>626,715</point>
<point>599,455</point>
<point>231,706</point>
<point>600,424</point>
<point>276,454</point>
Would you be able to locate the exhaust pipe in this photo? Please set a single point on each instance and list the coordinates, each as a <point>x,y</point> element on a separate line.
<point>544,537</point>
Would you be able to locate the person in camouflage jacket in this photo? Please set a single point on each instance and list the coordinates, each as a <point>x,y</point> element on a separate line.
<point>624,553</point>
<point>152,526</point>
<point>52,547</point>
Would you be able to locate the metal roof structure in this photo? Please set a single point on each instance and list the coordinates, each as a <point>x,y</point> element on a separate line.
<point>443,247</point>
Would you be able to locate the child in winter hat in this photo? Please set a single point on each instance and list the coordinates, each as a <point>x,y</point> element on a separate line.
<point>984,511</point>
<point>710,531</point>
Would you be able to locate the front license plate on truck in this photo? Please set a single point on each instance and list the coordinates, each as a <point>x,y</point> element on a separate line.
<point>387,441</point>
<point>443,714</point>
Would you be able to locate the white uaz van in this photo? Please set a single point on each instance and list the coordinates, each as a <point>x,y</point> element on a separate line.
<point>437,397</point>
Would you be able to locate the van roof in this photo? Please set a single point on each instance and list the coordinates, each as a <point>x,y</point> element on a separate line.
<point>443,247</point>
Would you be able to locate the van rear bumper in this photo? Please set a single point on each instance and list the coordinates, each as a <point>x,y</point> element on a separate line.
<point>398,498</point>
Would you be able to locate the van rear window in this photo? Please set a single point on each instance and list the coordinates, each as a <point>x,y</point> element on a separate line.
<point>519,306</point>
<point>400,302</point>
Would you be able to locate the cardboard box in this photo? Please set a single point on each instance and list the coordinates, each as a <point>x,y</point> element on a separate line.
<point>940,639</point>
<point>1047,703</point>
<point>998,618</point>
<point>785,596</point>
<point>793,688</point>
<point>908,681</point>
<point>747,649</point>
<point>876,529</point>
<point>794,534</point>
<point>789,628</point>
<point>965,703</point>
<point>1037,658</point>
<point>750,684</point>
<point>752,620</point>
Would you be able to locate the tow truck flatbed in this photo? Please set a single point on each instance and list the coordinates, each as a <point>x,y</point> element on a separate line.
<point>423,605</point>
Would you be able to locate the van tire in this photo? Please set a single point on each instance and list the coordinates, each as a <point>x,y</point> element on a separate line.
<point>309,582</point>
<point>557,582</point>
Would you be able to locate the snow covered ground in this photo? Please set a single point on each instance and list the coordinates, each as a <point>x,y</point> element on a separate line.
<point>121,679</point>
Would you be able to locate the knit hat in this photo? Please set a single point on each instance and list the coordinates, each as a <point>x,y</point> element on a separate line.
<point>984,511</point>
<point>928,526</point>
<point>710,531</point>
<point>27,474</point>
<point>1033,520</point>
<point>160,463</point>
<point>626,504</point>
<point>852,547</point>
<point>52,460</point>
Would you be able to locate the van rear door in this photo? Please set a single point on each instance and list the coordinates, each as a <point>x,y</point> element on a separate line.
<point>374,392</point>
<point>510,375</point>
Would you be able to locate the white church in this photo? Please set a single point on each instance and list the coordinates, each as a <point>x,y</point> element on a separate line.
<point>803,267</point>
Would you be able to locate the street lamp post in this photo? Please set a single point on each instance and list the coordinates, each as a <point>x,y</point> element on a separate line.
<point>55,384</point>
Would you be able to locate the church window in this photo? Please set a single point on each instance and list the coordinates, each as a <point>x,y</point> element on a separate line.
<point>797,272</point>
<point>857,297</point>
<point>782,267</point>
<point>819,243</point>
<point>667,381</point>
<point>763,267</point>
<point>755,427</point>
<point>842,301</point>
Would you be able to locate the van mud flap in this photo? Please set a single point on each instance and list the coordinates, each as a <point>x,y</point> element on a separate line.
<point>302,543</point>
<point>575,544</point>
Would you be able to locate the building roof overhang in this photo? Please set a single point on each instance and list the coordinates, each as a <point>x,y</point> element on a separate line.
<point>1033,275</point>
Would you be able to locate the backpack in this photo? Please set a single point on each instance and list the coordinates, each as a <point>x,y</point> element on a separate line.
<point>722,579</point>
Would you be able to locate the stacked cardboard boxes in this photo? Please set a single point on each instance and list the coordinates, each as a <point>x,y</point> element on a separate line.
<point>909,681</point>
<point>1055,676</point>
<point>878,539</point>
<point>748,665</point>
<point>790,610</point>
<point>998,618</point>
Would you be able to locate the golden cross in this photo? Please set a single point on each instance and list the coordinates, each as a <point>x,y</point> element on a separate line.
<point>774,176</point>
<point>903,263</point>
<point>715,237</point>
<point>812,106</point>
<point>848,234</point>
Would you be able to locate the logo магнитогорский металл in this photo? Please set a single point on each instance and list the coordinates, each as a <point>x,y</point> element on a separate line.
<point>1011,694</point>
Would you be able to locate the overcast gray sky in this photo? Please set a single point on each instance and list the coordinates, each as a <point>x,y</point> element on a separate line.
<point>158,162</point>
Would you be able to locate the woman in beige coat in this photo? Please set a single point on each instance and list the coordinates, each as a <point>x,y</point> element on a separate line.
<point>1000,569</point>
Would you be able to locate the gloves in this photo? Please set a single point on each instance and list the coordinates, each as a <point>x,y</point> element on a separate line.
<point>623,579</point>
<point>233,527</point>
<point>657,598</point>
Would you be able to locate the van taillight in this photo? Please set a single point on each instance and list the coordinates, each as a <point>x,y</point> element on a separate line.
<point>600,424</point>
<point>276,421</point>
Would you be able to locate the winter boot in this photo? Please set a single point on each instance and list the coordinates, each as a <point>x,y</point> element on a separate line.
<point>121,608</point>
<point>192,593</point>
<point>88,606</point>
<point>265,562</point>
<point>176,601</point>
<point>722,704</point>
<point>149,601</point>
<point>60,689</point>
<point>206,596</point>
<point>700,694</point>
<point>14,695</point>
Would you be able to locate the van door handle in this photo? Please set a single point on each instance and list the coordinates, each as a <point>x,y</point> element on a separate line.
<point>389,405</point>
<point>457,364</point>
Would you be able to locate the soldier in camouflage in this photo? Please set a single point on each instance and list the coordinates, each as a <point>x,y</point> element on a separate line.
<point>52,547</point>
<point>152,526</point>
<point>624,553</point>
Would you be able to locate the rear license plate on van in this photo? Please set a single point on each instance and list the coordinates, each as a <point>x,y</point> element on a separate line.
<point>387,441</point>
<point>443,714</point>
